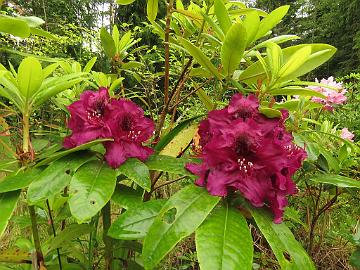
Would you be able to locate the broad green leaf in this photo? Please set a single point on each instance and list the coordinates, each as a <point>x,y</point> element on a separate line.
<point>336,180</point>
<point>61,154</point>
<point>224,241</point>
<point>274,59</point>
<point>296,91</point>
<point>200,57</point>
<point>136,221</point>
<point>295,62</point>
<point>320,53</point>
<point>152,9</point>
<point>31,21</point>
<point>233,48</point>
<point>168,164</point>
<point>174,132</point>
<point>181,215</point>
<point>91,188</point>
<point>14,26</point>
<point>251,24</point>
<point>289,252</point>
<point>55,177</point>
<point>136,171</point>
<point>269,112</point>
<point>8,203</point>
<point>127,197</point>
<point>116,37</point>
<point>124,2</point>
<point>30,76</point>
<point>19,181</point>
<point>180,142</point>
<point>271,20</point>
<point>56,86</point>
<point>70,233</point>
<point>222,15</point>
<point>107,43</point>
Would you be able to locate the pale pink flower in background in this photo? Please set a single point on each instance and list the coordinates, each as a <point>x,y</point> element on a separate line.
<point>332,96</point>
<point>347,135</point>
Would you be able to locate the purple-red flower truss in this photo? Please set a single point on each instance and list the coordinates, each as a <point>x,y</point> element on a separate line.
<point>243,150</point>
<point>87,118</point>
<point>96,116</point>
<point>129,128</point>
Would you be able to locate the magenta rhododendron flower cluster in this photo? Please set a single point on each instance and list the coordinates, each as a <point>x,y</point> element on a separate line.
<point>347,135</point>
<point>332,96</point>
<point>243,150</point>
<point>97,116</point>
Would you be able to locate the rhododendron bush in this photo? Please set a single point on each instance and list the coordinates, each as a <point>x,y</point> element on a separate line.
<point>122,163</point>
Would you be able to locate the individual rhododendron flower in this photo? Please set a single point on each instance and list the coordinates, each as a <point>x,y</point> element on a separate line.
<point>332,96</point>
<point>87,118</point>
<point>347,135</point>
<point>129,128</point>
<point>243,150</point>
<point>96,116</point>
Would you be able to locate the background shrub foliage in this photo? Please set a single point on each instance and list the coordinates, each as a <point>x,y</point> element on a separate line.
<point>67,209</point>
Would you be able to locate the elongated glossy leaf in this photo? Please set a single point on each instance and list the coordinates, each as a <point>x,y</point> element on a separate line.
<point>43,33</point>
<point>336,180</point>
<point>127,197</point>
<point>181,215</point>
<point>276,40</point>
<point>222,15</point>
<point>200,57</point>
<point>233,48</point>
<point>168,164</point>
<point>137,171</point>
<point>299,91</point>
<point>91,188</point>
<point>180,141</point>
<point>30,76</point>
<point>55,177</point>
<point>69,233</point>
<point>61,154</point>
<point>89,65</point>
<point>289,252</point>
<point>271,20</point>
<point>19,181</point>
<point>107,43</point>
<point>124,2</point>
<point>135,222</point>
<point>270,113</point>
<point>152,9</point>
<point>8,202</point>
<point>171,135</point>
<point>224,241</point>
<point>251,24</point>
<point>295,62</point>
<point>320,53</point>
<point>14,27</point>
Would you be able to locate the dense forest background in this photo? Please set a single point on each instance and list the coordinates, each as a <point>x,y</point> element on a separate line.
<point>335,22</point>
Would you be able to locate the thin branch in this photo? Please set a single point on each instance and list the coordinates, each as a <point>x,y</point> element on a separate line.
<point>54,232</point>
